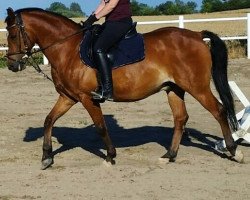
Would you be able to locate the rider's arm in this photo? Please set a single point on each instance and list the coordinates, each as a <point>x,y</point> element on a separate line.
<point>102,10</point>
<point>100,7</point>
<point>106,8</point>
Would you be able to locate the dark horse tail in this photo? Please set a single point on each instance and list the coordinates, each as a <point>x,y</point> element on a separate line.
<point>219,73</point>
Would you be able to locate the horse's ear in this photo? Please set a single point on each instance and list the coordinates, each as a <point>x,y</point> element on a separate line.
<point>11,13</point>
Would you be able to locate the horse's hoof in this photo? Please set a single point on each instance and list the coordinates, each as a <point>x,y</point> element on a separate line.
<point>163,160</point>
<point>172,159</point>
<point>239,156</point>
<point>110,160</point>
<point>107,164</point>
<point>47,163</point>
<point>170,156</point>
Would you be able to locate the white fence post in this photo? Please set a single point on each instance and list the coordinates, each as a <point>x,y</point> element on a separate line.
<point>248,35</point>
<point>181,21</point>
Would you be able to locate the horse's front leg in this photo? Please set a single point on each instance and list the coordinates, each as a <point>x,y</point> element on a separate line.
<point>62,105</point>
<point>95,113</point>
<point>176,102</point>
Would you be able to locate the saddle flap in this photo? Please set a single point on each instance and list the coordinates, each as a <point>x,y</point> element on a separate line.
<point>131,32</point>
<point>128,50</point>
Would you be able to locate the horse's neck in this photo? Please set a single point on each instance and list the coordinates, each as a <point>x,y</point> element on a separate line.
<point>51,36</point>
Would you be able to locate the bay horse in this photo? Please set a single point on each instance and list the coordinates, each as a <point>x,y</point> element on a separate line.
<point>176,61</point>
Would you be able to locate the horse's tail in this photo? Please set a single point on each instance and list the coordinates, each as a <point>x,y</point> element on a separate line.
<point>219,73</point>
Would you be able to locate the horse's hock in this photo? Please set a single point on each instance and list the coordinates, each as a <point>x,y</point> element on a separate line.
<point>243,117</point>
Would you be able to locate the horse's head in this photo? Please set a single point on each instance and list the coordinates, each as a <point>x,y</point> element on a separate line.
<point>18,41</point>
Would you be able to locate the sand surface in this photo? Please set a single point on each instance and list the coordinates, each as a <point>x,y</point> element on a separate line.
<point>141,132</point>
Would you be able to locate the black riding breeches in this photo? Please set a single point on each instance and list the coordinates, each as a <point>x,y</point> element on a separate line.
<point>113,31</point>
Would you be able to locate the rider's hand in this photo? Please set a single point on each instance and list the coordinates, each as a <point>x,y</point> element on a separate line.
<point>91,20</point>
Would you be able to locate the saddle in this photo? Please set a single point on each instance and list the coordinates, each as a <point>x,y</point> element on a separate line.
<point>128,50</point>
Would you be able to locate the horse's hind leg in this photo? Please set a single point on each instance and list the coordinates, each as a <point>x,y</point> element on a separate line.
<point>208,100</point>
<point>176,102</point>
<point>95,113</point>
<point>62,105</point>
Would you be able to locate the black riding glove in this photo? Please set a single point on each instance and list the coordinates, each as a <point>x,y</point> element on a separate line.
<point>91,20</point>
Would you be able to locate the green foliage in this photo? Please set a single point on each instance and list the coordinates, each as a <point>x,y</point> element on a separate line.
<point>38,58</point>
<point>177,7</point>
<point>221,5</point>
<point>3,62</point>
<point>75,7</point>
<point>167,8</point>
<point>211,5</point>
<point>141,9</point>
<point>57,6</point>
<point>73,11</point>
<point>236,4</point>
<point>2,59</point>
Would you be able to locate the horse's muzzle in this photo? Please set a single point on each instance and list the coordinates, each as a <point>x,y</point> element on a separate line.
<point>16,66</point>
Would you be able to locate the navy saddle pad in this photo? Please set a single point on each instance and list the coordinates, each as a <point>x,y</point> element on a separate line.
<point>127,51</point>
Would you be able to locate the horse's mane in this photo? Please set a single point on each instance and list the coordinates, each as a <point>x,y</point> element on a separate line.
<point>28,10</point>
<point>40,10</point>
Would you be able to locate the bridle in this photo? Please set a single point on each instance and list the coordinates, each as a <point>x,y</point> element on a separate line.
<point>21,33</point>
<point>27,51</point>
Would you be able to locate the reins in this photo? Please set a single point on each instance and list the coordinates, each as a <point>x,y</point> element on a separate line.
<point>34,63</point>
<point>37,67</point>
<point>59,41</point>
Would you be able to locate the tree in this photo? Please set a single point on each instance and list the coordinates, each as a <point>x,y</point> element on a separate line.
<point>74,10</point>
<point>139,9</point>
<point>135,7</point>
<point>212,6</point>
<point>164,8</point>
<point>56,6</point>
<point>75,7</point>
<point>206,6</point>
<point>191,7</point>
<point>236,4</point>
<point>177,7</point>
<point>220,5</point>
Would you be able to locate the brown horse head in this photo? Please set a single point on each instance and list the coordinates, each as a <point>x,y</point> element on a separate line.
<point>15,42</point>
<point>23,26</point>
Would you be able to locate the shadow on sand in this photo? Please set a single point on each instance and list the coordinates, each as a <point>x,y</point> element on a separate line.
<point>87,138</point>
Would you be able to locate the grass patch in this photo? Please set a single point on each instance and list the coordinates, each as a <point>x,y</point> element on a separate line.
<point>3,62</point>
<point>237,48</point>
<point>38,58</point>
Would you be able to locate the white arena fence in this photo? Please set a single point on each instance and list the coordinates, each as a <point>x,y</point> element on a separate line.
<point>181,21</point>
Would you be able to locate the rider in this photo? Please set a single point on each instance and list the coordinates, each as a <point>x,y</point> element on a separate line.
<point>118,21</point>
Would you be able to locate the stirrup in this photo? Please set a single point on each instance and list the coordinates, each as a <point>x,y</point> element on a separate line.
<point>100,97</point>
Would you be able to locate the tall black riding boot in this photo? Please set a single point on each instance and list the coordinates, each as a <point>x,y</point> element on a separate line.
<point>105,71</point>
